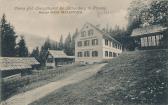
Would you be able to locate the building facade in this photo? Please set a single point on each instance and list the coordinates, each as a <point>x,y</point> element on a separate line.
<point>93,45</point>
<point>150,37</point>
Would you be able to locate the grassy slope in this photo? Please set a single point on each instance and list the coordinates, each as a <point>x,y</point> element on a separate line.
<point>134,78</point>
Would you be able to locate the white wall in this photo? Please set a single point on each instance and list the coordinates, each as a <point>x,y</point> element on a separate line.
<point>101,48</point>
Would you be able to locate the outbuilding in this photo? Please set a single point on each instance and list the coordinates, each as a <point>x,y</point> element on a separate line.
<point>14,65</point>
<point>58,58</point>
<point>150,37</point>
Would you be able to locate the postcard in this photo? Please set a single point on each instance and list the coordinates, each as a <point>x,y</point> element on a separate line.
<point>83,52</point>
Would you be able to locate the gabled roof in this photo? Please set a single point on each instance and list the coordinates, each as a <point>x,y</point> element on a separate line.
<point>148,30</point>
<point>59,54</point>
<point>13,63</point>
<point>106,35</point>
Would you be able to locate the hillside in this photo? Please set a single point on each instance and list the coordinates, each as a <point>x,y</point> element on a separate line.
<point>133,78</point>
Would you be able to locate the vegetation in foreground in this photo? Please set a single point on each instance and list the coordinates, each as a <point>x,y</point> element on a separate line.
<point>134,78</point>
<point>37,79</point>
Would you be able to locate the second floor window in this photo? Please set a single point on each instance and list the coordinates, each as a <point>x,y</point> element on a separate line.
<point>86,54</point>
<point>95,42</point>
<point>86,43</point>
<point>94,53</point>
<point>80,54</point>
<point>79,43</point>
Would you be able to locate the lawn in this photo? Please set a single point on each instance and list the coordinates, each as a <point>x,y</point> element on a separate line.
<point>133,78</point>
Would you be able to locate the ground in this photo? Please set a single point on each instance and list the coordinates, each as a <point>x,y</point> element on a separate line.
<point>37,93</point>
<point>133,78</point>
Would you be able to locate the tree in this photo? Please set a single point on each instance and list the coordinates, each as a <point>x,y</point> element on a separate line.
<point>68,45</point>
<point>61,44</point>
<point>22,50</point>
<point>47,44</point>
<point>136,9</point>
<point>159,11</point>
<point>8,38</point>
<point>36,53</point>
<point>73,41</point>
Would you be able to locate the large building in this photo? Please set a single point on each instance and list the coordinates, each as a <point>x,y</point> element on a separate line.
<point>150,37</point>
<point>93,45</point>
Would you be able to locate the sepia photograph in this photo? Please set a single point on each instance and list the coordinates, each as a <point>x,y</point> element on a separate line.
<point>83,52</point>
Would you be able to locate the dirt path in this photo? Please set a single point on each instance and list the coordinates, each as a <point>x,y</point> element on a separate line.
<point>35,94</point>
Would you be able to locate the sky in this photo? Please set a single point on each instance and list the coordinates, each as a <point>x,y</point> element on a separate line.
<point>25,17</point>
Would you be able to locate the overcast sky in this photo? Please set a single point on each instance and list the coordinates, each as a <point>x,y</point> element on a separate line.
<point>53,25</point>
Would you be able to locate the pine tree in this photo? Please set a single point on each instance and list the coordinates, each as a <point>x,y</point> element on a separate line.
<point>47,44</point>
<point>68,45</point>
<point>22,50</point>
<point>8,38</point>
<point>61,44</point>
<point>43,56</point>
<point>73,41</point>
<point>36,53</point>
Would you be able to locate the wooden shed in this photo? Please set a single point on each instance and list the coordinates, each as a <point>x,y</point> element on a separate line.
<point>150,37</point>
<point>58,58</point>
<point>14,65</point>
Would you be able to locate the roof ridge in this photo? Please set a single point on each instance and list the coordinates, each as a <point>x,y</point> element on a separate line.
<point>104,33</point>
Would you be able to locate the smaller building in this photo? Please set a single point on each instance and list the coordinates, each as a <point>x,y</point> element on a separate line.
<point>14,65</point>
<point>58,58</point>
<point>149,37</point>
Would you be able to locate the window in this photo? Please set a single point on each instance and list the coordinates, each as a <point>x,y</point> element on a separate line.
<point>119,47</point>
<point>94,53</point>
<point>80,54</point>
<point>94,42</point>
<point>110,44</point>
<point>110,54</point>
<point>114,54</point>
<point>86,43</point>
<point>114,45</point>
<point>83,34</point>
<point>142,42</point>
<point>79,43</point>
<point>147,41</point>
<point>106,53</point>
<point>50,60</point>
<point>90,32</point>
<point>106,42</point>
<point>86,54</point>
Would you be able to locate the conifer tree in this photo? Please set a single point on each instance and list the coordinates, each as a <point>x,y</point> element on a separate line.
<point>8,38</point>
<point>22,50</point>
<point>61,43</point>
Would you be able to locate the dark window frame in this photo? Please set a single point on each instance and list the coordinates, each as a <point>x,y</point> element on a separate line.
<point>94,53</point>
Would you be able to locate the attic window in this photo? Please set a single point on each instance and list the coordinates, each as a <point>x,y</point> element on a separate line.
<point>83,33</point>
<point>90,32</point>
<point>106,42</point>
